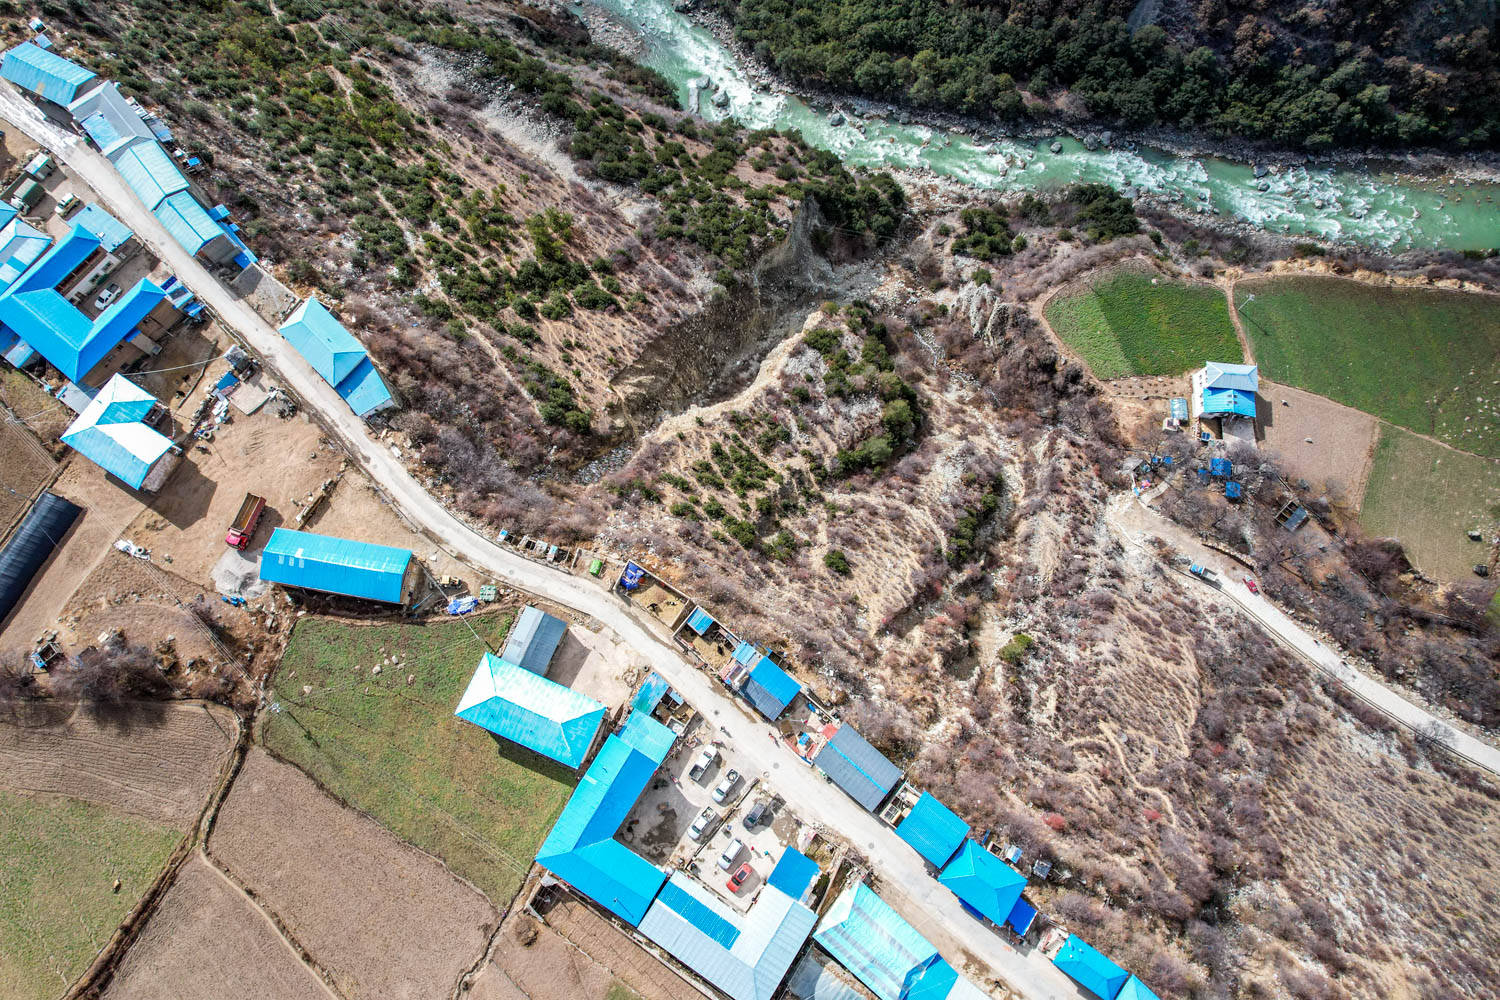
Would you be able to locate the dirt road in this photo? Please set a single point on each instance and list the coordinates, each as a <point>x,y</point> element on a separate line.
<point>928,903</point>
<point>1135,522</point>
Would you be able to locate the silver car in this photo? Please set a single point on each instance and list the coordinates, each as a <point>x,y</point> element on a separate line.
<point>731,854</point>
<point>704,823</point>
<point>723,788</point>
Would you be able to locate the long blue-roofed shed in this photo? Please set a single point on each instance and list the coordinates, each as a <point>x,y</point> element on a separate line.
<point>338,566</point>
<point>581,849</point>
<point>857,767</point>
<point>1090,969</point>
<point>527,708</point>
<point>46,74</point>
<point>933,829</point>
<point>984,882</point>
<point>887,954</point>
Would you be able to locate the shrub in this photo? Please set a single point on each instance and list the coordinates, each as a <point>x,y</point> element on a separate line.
<point>836,561</point>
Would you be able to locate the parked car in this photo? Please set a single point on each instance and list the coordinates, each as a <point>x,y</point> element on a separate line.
<point>703,763</point>
<point>738,878</point>
<point>65,204</point>
<point>722,790</point>
<point>704,823</point>
<point>110,293</point>
<point>1252,585</point>
<point>731,854</point>
<point>757,814</point>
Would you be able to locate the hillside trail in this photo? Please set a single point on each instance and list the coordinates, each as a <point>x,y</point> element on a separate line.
<point>1028,972</point>
<point>1134,523</point>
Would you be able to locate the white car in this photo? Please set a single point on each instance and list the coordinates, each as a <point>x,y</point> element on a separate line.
<point>110,293</point>
<point>704,823</point>
<point>703,763</point>
<point>731,854</point>
<point>722,790</point>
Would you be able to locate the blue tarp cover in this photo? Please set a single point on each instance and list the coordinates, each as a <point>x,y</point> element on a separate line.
<point>1232,490</point>
<point>793,873</point>
<point>1221,467</point>
<point>631,577</point>
<point>933,829</point>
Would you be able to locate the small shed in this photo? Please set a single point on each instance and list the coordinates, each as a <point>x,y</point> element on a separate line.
<point>338,566</point>
<point>700,621</point>
<point>933,829</point>
<point>533,640</point>
<point>1177,407</point>
<point>794,873</point>
<point>770,689</point>
<point>1221,468</point>
<point>1022,916</point>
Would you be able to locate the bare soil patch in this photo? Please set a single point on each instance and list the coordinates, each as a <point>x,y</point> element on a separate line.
<point>355,509</point>
<point>605,945</point>
<point>27,467</point>
<point>383,918</point>
<point>208,940</point>
<point>155,760</point>
<point>1343,439</point>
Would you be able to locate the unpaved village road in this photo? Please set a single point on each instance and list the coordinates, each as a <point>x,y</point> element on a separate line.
<point>929,905</point>
<point>1136,522</point>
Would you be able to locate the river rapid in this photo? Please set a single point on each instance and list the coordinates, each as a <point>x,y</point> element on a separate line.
<point>1368,205</point>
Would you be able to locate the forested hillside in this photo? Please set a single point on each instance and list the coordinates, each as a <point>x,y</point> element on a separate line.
<point>1315,75</point>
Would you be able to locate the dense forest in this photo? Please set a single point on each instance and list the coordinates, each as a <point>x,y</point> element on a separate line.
<point>1340,73</point>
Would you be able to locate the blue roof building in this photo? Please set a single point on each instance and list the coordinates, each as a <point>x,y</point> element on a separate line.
<point>700,621</point>
<point>337,357</point>
<point>112,433</point>
<point>745,653</point>
<point>933,829</point>
<point>337,565</point>
<point>1229,390</point>
<point>794,873</point>
<point>1227,402</point>
<point>653,689</point>
<point>1089,969</point>
<point>744,955</point>
<point>1021,917</point>
<point>857,767</point>
<point>528,709</point>
<point>110,120</point>
<point>886,953</point>
<point>150,172</point>
<point>533,639</point>
<point>112,233</point>
<point>34,311</point>
<point>770,689</point>
<point>21,245</point>
<point>581,849</point>
<point>1134,989</point>
<point>189,224</point>
<point>45,74</point>
<point>982,881</point>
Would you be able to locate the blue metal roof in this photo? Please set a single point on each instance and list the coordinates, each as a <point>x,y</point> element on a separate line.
<point>110,120</point>
<point>335,355</point>
<point>150,172</point>
<point>983,881</point>
<point>187,221</point>
<point>364,390</point>
<point>1090,969</point>
<point>112,233</point>
<point>1217,401</point>
<point>44,73</point>
<point>770,689</point>
<point>700,621</point>
<point>745,653</point>
<point>933,829</point>
<point>744,955</point>
<point>335,565</point>
<point>528,709</point>
<point>867,937</point>
<point>21,245</point>
<point>793,873</point>
<point>533,639</point>
<point>1219,375</point>
<point>1021,916</point>
<point>650,694</point>
<point>857,767</point>
<point>581,849</point>
<point>1135,990</point>
<point>110,433</point>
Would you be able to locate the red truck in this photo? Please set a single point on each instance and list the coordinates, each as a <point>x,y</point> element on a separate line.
<point>243,527</point>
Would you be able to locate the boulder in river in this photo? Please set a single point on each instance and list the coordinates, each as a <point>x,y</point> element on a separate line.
<point>836,119</point>
<point>1260,170</point>
<point>1090,143</point>
<point>721,99</point>
<point>1056,147</point>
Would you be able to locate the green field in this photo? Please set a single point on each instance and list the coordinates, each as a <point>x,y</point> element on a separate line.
<point>58,862</point>
<point>396,751</point>
<point>1425,359</point>
<point>1124,325</point>
<point>1429,497</point>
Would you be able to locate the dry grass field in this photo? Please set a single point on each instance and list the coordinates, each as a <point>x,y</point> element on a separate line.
<point>385,919</point>
<point>1343,440</point>
<point>208,940</point>
<point>26,468</point>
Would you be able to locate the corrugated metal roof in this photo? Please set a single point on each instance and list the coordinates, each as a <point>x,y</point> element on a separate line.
<point>744,955</point>
<point>533,639</point>
<point>110,433</point>
<point>933,829</point>
<point>770,689</point>
<point>364,390</point>
<point>335,565</point>
<point>857,767</point>
<point>21,245</point>
<point>1021,915</point>
<point>187,221</point>
<point>528,709</point>
<point>793,873</point>
<point>112,233</point>
<point>814,978</point>
<point>322,340</point>
<point>745,652</point>
<point>650,694</point>
<point>110,119</point>
<point>581,849</point>
<point>31,546</point>
<point>1135,990</point>
<point>44,73</point>
<point>983,881</point>
<point>867,937</point>
<point>1228,401</point>
<point>700,621</point>
<point>150,172</point>
<point>1090,969</point>
<point>1219,375</point>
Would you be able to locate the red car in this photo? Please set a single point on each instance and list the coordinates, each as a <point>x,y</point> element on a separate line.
<point>738,878</point>
<point>1252,585</point>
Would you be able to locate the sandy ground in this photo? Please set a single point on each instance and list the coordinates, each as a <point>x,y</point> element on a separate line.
<point>158,760</point>
<point>383,918</point>
<point>595,663</point>
<point>1343,439</point>
<point>208,940</point>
